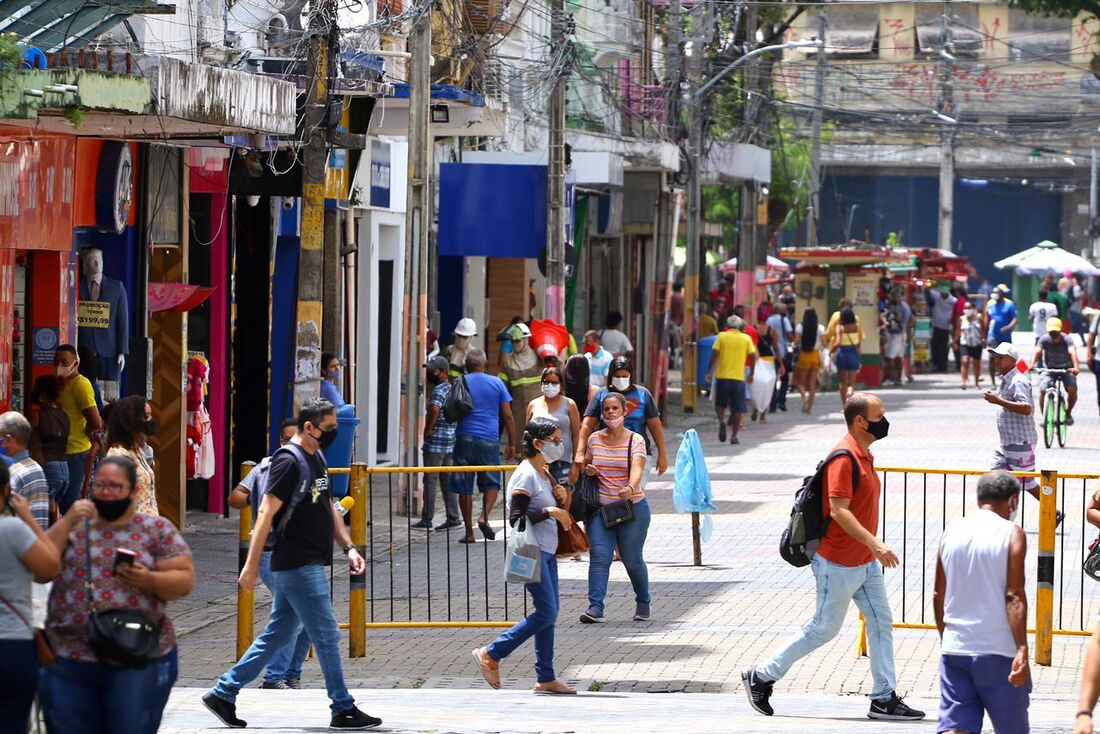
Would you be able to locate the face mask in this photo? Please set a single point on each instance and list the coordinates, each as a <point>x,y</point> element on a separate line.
<point>63,372</point>
<point>150,427</point>
<point>334,375</point>
<point>461,342</point>
<point>971,313</point>
<point>620,383</point>
<point>614,423</point>
<point>879,429</point>
<point>326,438</point>
<point>111,510</point>
<point>552,451</point>
<point>591,349</point>
<point>506,348</point>
<point>551,389</point>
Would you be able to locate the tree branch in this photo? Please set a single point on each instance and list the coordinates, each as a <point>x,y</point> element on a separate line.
<point>778,31</point>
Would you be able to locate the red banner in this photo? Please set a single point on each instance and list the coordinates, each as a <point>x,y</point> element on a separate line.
<point>36,193</point>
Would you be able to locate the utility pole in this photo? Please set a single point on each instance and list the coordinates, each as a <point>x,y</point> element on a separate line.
<point>947,133</point>
<point>554,308</point>
<point>417,225</point>
<point>319,68</point>
<point>815,151</point>
<point>692,66</point>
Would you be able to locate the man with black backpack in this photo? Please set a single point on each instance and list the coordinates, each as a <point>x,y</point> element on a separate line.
<point>847,565</point>
<point>298,508</point>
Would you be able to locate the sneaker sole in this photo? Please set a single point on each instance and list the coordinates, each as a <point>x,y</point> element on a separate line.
<point>219,716</point>
<point>354,728</point>
<point>640,619</point>
<point>748,693</point>
<point>893,717</point>
<point>585,619</point>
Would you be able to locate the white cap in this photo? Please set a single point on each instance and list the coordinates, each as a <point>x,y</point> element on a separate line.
<point>466,327</point>
<point>1004,349</point>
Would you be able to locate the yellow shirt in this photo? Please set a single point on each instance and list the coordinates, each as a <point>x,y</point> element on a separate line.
<point>830,330</point>
<point>707,326</point>
<point>76,397</point>
<point>733,349</point>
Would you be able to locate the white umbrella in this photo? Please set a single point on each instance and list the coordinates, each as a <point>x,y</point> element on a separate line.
<point>1047,257</point>
<point>774,264</point>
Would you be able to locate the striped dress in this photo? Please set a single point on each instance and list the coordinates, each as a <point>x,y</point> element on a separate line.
<point>613,464</point>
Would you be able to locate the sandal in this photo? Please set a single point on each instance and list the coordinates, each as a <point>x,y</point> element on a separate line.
<point>554,688</point>
<point>487,530</point>
<point>489,672</point>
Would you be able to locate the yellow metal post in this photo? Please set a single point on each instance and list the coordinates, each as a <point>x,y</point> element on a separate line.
<point>357,583</point>
<point>245,597</point>
<point>1044,594</point>
<point>861,638</point>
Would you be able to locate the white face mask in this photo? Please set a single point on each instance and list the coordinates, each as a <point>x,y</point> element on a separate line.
<point>620,383</point>
<point>552,451</point>
<point>551,389</point>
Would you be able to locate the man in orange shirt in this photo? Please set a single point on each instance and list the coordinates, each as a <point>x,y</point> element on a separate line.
<point>848,567</point>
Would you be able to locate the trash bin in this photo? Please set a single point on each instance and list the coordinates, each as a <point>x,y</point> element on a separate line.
<point>703,349</point>
<point>339,453</point>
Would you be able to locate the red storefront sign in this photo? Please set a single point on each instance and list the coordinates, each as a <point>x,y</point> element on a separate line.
<point>36,193</point>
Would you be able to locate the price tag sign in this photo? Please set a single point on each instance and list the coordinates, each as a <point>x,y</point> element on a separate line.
<point>93,314</point>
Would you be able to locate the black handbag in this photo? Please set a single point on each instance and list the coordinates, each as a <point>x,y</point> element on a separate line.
<point>120,638</point>
<point>586,498</point>
<point>459,402</point>
<point>1091,566</point>
<point>620,512</point>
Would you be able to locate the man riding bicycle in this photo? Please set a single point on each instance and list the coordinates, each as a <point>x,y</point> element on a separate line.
<point>1057,354</point>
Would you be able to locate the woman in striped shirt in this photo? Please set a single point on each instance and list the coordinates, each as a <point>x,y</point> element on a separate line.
<point>616,457</point>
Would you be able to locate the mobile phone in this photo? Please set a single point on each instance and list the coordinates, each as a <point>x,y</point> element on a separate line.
<point>123,558</point>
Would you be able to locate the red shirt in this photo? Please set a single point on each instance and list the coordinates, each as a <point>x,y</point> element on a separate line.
<point>837,546</point>
<point>753,334</point>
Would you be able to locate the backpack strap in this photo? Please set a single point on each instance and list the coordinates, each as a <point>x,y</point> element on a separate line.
<point>851,457</point>
<point>305,477</point>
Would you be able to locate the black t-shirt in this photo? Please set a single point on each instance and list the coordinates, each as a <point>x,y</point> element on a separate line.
<point>307,538</point>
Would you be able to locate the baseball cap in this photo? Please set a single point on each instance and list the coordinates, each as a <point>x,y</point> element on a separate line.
<point>437,363</point>
<point>1054,325</point>
<point>1003,288</point>
<point>1004,349</point>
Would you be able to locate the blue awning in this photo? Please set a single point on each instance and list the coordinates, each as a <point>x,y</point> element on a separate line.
<point>443,92</point>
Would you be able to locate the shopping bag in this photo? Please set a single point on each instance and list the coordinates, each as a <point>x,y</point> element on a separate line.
<point>763,384</point>
<point>691,491</point>
<point>522,561</point>
<point>459,402</point>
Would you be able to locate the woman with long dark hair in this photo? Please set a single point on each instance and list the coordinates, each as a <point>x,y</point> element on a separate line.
<point>534,498</point>
<point>810,334</point>
<point>846,343</point>
<point>130,422</point>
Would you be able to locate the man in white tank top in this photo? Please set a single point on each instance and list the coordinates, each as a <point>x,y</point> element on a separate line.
<point>981,612</point>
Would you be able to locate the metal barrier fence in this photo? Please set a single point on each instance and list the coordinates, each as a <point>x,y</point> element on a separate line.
<point>412,579</point>
<point>916,506</point>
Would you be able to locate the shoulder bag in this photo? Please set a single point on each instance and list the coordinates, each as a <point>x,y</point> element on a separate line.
<point>42,647</point>
<point>573,541</point>
<point>620,512</point>
<point>120,638</point>
<point>1091,565</point>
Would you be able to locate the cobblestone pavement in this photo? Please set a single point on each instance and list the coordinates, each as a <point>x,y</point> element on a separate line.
<point>708,622</point>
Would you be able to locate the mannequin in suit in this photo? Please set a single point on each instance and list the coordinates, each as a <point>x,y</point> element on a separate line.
<point>112,344</point>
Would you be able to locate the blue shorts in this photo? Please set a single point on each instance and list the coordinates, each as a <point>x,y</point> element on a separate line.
<point>475,451</point>
<point>847,359</point>
<point>971,685</point>
<point>730,394</point>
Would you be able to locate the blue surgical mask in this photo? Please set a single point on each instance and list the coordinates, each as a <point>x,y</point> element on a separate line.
<point>506,347</point>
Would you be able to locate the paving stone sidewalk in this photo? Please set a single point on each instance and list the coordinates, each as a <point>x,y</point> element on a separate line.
<point>710,621</point>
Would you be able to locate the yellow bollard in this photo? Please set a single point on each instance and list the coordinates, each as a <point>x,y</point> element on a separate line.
<point>245,597</point>
<point>861,638</point>
<point>359,488</point>
<point>1044,594</point>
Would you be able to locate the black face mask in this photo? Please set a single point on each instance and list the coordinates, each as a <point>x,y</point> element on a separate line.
<point>111,510</point>
<point>879,429</point>
<point>326,438</point>
<point>149,427</point>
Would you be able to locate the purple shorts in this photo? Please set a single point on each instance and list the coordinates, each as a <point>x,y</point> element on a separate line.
<point>971,685</point>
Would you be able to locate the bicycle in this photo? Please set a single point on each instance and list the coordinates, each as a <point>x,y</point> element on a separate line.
<point>1054,410</point>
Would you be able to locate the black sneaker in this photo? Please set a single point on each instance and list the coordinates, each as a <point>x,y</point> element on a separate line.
<point>893,709</point>
<point>276,685</point>
<point>593,616</point>
<point>1059,516</point>
<point>446,525</point>
<point>353,718</point>
<point>758,692</point>
<point>224,710</point>
<point>421,525</point>
<point>295,683</point>
<point>722,432</point>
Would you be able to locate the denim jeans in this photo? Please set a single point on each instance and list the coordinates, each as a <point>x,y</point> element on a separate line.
<point>837,586</point>
<point>630,540</point>
<point>80,697</point>
<point>57,478</point>
<point>76,463</point>
<point>301,598</point>
<point>538,624</point>
<point>287,662</point>
<point>433,483</point>
<point>19,671</point>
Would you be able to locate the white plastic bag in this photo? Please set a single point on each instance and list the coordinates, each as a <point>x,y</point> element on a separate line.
<point>522,563</point>
<point>763,384</point>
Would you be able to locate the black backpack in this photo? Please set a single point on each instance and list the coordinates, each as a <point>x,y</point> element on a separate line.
<point>808,522</point>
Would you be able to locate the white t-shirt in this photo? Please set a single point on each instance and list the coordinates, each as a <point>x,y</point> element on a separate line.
<point>1040,311</point>
<point>615,342</point>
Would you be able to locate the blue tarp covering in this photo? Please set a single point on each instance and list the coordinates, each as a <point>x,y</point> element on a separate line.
<point>443,92</point>
<point>492,210</point>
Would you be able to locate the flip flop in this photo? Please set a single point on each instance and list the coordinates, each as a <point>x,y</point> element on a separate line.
<point>546,692</point>
<point>492,677</point>
<point>467,539</point>
<point>487,530</point>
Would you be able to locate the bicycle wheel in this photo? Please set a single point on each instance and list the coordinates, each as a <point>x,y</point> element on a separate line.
<point>1049,419</point>
<point>1062,425</point>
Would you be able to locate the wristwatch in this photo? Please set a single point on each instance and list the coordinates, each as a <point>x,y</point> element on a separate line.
<point>348,548</point>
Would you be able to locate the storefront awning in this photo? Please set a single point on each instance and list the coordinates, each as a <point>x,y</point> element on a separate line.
<point>845,256</point>
<point>176,297</point>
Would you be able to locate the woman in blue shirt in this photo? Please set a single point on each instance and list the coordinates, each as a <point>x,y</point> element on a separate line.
<point>330,380</point>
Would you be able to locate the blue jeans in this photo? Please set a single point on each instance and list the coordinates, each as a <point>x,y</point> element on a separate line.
<point>76,463</point>
<point>538,624</point>
<point>287,662</point>
<point>19,671</point>
<point>301,598</point>
<point>88,698</point>
<point>837,586</point>
<point>57,478</point>
<point>630,540</point>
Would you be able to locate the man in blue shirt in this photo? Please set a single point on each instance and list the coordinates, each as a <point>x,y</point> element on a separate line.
<point>477,443</point>
<point>1000,314</point>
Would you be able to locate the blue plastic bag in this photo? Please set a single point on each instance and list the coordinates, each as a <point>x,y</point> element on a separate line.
<point>692,492</point>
